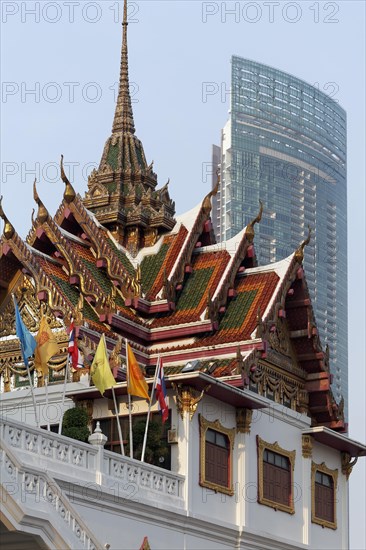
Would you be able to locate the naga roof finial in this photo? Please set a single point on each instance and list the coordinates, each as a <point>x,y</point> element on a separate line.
<point>8,228</point>
<point>249,233</point>
<point>42,213</point>
<point>123,118</point>
<point>299,254</point>
<point>207,205</point>
<point>69,194</point>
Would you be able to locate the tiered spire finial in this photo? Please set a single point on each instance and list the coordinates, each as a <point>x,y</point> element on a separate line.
<point>123,117</point>
<point>122,192</point>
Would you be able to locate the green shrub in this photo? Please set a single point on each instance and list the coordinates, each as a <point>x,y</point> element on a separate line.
<point>156,447</point>
<point>75,424</point>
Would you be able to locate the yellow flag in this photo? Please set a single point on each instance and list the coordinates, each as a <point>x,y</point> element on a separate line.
<point>47,346</point>
<point>100,371</point>
<point>136,383</point>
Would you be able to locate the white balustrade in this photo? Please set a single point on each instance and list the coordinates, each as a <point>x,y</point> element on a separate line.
<point>142,475</point>
<point>89,463</point>
<point>30,487</point>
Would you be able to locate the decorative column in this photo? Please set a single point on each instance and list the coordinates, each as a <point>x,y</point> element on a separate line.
<point>243,424</point>
<point>99,439</point>
<point>307,454</point>
<point>187,400</point>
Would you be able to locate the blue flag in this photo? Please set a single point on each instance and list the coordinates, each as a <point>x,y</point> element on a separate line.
<point>27,341</point>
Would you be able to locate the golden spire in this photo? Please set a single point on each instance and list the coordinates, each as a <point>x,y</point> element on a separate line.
<point>123,117</point>
<point>299,254</point>
<point>8,228</point>
<point>42,214</point>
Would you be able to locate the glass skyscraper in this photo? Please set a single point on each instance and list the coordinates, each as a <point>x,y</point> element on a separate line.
<point>285,143</point>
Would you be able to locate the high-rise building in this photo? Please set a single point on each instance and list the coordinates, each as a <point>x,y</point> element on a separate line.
<point>285,144</point>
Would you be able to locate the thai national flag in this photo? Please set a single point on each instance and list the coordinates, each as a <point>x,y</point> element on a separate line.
<point>77,360</point>
<point>160,391</point>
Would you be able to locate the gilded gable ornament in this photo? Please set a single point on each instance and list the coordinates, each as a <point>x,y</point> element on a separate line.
<point>347,464</point>
<point>307,446</point>
<point>187,399</point>
<point>243,420</point>
<point>279,338</point>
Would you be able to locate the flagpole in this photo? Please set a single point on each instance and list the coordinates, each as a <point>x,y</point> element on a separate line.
<point>63,394</point>
<point>25,361</point>
<point>48,420</point>
<point>149,409</point>
<point>118,422</point>
<point>129,402</point>
<point>31,387</point>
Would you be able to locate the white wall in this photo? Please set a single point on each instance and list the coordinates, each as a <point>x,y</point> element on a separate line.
<point>209,519</point>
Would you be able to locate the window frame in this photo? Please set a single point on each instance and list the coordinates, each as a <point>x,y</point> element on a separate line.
<point>291,456</point>
<point>323,469</point>
<point>230,434</point>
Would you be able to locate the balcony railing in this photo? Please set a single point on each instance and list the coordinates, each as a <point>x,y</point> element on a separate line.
<point>66,457</point>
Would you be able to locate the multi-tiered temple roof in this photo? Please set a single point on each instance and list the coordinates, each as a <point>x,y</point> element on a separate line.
<point>121,263</point>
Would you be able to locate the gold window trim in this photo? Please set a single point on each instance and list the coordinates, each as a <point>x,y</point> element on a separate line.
<point>291,455</point>
<point>334,475</point>
<point>230,433</point>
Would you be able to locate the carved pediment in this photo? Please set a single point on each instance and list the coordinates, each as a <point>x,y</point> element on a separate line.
<point>29,308</point>
<point>98,191</point>
<point>279,338</point>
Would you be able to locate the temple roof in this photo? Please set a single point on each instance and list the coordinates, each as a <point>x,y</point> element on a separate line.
<point>184,298</point>
<point>119,263</point>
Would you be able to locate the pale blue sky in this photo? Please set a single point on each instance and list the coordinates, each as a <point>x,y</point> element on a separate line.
<point>176,47</point>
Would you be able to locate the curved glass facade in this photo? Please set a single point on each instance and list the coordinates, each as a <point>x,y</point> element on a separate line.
<point>285,143</point>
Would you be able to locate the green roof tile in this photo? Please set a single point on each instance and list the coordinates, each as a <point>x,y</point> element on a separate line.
<point>150,267</point>
<point>112,157</point>
<point>238,310</point>
<point>194,289</point>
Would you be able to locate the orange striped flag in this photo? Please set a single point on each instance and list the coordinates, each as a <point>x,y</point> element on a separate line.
<point>136,383</point>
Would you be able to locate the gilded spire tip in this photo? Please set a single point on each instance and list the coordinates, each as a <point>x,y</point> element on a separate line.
<point>123,119</point>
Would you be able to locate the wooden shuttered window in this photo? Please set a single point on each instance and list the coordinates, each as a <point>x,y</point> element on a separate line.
<point>324,497</point>
<point>217,456</point>
<point>276,478</point>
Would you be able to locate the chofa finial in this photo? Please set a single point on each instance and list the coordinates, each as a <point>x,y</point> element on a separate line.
<point>249,233</point>
<point>207,204</point>
<point>8,228</point>
<point>299,254</point>
<point>42,214</point>
<point>69,194</point>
